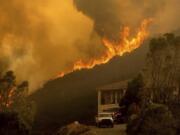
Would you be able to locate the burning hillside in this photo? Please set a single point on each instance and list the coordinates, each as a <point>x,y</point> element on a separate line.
<point>126,44</point>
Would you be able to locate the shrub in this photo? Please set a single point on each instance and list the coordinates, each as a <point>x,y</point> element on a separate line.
<point>155,120</point>
<point>11,124</point>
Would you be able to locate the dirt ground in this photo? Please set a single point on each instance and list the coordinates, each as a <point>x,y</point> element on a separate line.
<point>117,130</point>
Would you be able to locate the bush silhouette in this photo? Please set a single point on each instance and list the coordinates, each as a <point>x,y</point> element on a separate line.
<point>155,120</point>
<point>11,124</point>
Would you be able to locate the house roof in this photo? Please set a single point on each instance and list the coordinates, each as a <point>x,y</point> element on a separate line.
<point>115,86</point>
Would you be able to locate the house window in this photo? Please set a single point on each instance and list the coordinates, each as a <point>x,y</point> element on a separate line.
<point>120,94</point>
<point>108,97</point>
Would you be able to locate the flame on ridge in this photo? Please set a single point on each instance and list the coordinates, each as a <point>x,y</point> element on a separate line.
<point>124,45</point>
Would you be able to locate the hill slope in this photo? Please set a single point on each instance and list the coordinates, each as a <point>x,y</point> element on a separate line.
<point>74,96</point>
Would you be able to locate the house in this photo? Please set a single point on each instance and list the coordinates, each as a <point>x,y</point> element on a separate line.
<point>110,95</point>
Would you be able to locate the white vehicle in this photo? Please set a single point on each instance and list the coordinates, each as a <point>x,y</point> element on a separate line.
<point>104,119</point>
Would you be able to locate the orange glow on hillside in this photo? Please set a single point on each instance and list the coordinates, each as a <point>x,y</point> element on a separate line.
<point>6,99</point>
<point>126,44</point>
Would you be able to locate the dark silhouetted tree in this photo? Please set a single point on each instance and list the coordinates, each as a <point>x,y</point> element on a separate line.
<point>155,120</point>
<point>13,99</point>
<point>163,67</point>
<point>134,96</point>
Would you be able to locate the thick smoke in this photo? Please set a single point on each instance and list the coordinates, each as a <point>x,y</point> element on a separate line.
<point>40,38</point>
<point>110,15</point>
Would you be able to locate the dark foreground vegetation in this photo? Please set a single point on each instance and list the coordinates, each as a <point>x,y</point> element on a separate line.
<point>152,100</point>
<point>16,111</point>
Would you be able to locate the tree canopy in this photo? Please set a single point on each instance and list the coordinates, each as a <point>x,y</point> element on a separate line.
<point>163,67</point>
<point>13,98</point>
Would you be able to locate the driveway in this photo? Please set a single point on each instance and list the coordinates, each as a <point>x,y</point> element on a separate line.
<point>117,130</point>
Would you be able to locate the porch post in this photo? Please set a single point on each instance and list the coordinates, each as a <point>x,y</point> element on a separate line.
<point>99,101</point>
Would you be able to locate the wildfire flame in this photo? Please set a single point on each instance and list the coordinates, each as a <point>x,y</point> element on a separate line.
<point>124,45</point>
<point>6,99</point>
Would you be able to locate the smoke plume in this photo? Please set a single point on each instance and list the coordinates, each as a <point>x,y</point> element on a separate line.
<point>111,15</point>
<point>40,38</point>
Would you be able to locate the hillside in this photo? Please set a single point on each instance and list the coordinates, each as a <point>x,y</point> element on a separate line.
<point>59,99</point>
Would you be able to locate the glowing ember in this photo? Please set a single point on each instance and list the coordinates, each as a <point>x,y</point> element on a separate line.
<point>125,45</point>
<point>6,99</point>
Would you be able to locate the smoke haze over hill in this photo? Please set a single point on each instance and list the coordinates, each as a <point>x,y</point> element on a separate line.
<point>40,38</point>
